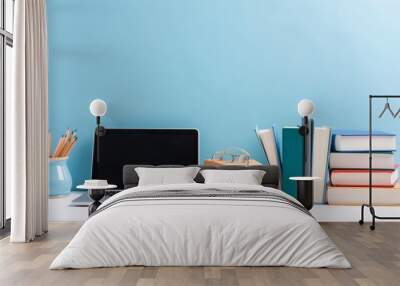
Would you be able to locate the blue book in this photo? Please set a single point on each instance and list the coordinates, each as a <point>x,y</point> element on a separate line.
<point>358,141</point>
<point>292,158</point>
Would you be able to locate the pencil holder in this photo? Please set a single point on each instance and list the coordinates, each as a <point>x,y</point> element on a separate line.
<point>60,180</point>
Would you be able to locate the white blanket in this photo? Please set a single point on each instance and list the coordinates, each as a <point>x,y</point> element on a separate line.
<point>200,231</point>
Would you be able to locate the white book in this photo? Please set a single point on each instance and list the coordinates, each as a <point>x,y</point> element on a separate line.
<point>356,140</point>
<point>340,160</point>
<point>380,178</point>
<point>356,196</point>
<point>268,142</point>
<point>320,155</point>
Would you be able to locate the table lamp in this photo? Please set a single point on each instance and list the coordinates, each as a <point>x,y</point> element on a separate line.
<point>305,108</point>
<point>98,108</point>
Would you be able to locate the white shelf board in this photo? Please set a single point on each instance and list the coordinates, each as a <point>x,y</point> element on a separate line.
<point>59,209</point>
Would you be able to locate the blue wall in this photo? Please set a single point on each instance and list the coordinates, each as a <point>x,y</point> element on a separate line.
<point>220,66</point>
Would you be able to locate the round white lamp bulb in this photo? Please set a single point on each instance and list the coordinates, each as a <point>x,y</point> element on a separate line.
<point>305,107</point>
<point>98,107</point>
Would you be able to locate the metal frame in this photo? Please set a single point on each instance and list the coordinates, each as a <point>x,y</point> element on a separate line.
<point>6,38</point>
<point>370,203</point>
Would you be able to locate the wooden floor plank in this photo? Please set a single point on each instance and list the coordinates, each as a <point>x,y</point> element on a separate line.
<point>375,257</point>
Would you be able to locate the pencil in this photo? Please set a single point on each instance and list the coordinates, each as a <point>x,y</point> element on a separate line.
<point>66,146</point>
<point>68,134</point>
<point>70,146</point>
<point>62,146</point>
<point>57,150</point>
<point>68,139</point>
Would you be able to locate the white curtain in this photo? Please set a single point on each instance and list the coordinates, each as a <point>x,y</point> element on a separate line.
<point>28,154</point>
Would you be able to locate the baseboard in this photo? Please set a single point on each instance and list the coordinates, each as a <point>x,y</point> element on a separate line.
<point>328,213</point>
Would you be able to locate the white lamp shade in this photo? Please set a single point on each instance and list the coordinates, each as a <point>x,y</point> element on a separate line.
<point>98,107</point>
<point>305,107</point>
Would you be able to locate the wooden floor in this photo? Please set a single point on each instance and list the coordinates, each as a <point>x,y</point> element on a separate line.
<point>375,257</point>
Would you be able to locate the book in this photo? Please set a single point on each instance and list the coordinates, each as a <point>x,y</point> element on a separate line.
<point>356,196</point>
<point>341,160</point>
<point>292,158</point>
<point>358,141</point>
<point>320,155</point>
<point>269,144</point>
<point>380,178</point>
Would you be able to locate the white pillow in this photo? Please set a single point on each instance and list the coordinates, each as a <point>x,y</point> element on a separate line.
<point>166,176</point>
<point>248,177</point>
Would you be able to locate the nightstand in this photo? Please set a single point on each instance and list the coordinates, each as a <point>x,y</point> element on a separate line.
<point>96,193</point>
<point>305,190</point>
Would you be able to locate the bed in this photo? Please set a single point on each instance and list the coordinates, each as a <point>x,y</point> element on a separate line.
<point>198,224</point>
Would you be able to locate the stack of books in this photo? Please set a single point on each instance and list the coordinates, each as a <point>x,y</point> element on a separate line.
<point>292,162</point>
<point>349,168</point>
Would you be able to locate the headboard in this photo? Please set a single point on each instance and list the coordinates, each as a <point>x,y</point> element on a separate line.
<point>119,147</point>
<point>270,179</point>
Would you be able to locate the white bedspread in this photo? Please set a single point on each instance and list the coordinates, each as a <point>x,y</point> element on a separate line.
<point>193,231</point>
